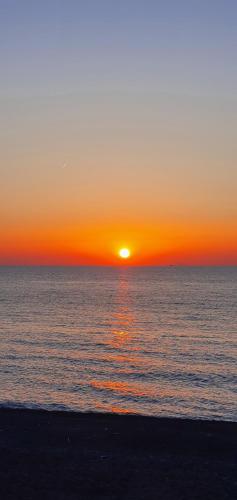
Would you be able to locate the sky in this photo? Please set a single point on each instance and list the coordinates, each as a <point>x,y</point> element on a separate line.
<point>118,128</point>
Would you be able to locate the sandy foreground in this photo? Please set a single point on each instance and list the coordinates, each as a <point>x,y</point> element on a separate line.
<point>60,455</point>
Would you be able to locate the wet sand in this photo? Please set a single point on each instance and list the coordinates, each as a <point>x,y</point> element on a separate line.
<point>60,455</point>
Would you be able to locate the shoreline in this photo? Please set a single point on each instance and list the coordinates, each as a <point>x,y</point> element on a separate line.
<point>68,455</point>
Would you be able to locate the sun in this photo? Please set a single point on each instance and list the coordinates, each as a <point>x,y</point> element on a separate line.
<point>124,253</point>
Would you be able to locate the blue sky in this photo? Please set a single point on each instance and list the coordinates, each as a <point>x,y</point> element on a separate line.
<point>173,46</point>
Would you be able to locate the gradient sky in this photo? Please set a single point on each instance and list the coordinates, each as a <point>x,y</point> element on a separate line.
<point>118,128</point>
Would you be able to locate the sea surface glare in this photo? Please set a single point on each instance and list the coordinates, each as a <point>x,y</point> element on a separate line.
<point>156,341</point>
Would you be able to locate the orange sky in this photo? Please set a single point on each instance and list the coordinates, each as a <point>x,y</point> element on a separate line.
<point>157,244</point>
<point>118,128</point>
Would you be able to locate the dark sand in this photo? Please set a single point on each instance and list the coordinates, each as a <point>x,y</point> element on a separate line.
<point>53,455</point>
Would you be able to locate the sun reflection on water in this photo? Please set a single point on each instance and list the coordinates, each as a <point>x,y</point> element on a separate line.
<point>121,340</point>
<point>123,320</point>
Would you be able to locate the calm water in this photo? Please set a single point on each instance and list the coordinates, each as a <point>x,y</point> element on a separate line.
<point>160,341</point>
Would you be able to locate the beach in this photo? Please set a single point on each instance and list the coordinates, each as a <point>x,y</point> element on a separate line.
<point>69,455</point>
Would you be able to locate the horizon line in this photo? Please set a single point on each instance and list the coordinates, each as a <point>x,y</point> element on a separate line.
<point>124,266</point>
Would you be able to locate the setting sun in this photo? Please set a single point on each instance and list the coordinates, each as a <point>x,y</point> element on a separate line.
<point>124,253</point>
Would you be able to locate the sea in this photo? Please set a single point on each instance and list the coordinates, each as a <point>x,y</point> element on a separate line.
<point>147,340</point>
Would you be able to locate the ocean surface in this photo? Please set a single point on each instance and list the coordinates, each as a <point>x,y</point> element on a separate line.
<point>155,341</point>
